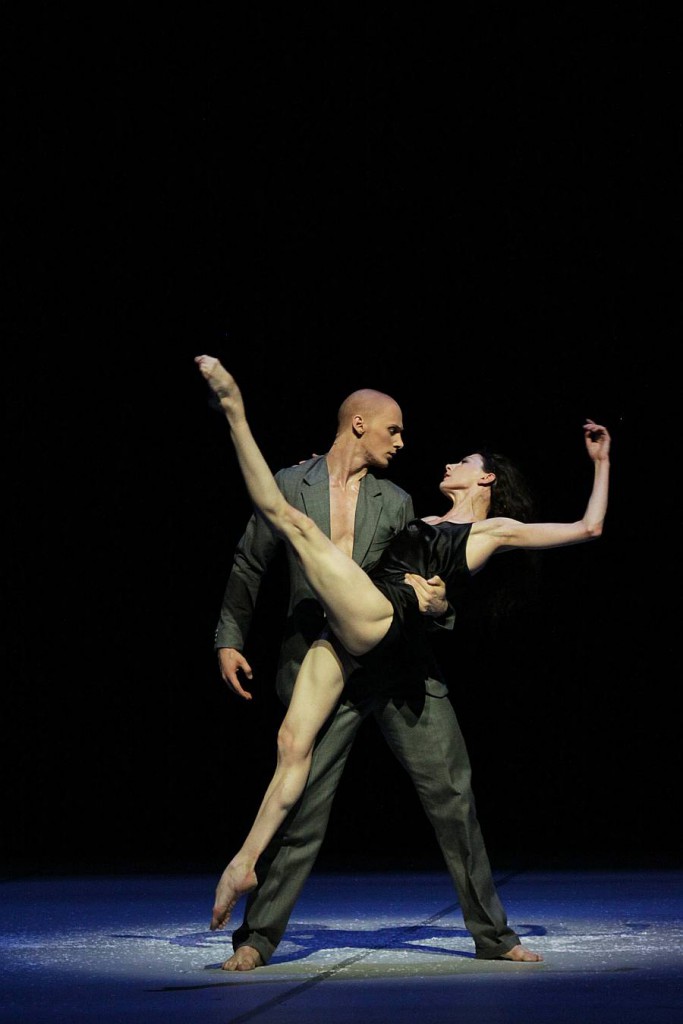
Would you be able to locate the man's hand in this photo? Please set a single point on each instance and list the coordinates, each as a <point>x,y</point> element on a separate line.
<point>431,594</point>
<point>230,662</point>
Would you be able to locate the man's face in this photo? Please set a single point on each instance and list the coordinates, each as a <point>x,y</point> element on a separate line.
<point>383,435</point>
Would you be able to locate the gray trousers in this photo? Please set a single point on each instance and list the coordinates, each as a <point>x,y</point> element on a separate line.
<point>425,737</point>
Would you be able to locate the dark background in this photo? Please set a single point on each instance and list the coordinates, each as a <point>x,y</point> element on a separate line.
<point>478,214</point>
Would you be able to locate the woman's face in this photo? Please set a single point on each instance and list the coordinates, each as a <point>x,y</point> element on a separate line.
<point>462,475</point>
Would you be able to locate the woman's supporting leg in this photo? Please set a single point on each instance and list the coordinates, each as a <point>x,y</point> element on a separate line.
<point>318,686</point>
<point>358,613</point>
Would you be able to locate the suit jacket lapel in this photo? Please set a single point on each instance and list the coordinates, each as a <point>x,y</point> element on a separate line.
<point>368,511</point>
<point>315,494</point>
<point>315,497</point>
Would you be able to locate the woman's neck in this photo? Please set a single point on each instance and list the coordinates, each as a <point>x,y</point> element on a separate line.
<point>466,509</point>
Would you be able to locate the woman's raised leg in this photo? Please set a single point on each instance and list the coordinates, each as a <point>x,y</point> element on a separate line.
<point>317,689</point>
<point>358,613</point>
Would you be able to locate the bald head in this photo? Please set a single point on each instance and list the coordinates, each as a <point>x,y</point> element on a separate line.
<point>369,430</point>
<point>367,403</point>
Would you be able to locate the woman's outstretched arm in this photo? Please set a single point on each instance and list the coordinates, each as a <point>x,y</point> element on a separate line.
<point>492,535</point>
<point>598,444</point>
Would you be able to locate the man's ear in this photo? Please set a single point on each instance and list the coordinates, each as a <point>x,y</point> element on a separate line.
<point>357,425</point>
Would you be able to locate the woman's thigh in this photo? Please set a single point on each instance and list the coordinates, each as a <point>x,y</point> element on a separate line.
<point>358,613</point>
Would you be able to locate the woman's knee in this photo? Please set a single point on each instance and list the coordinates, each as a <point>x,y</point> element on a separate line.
<point>290,747</point>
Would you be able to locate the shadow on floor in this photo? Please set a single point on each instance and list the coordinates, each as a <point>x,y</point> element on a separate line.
<point>375,947</point>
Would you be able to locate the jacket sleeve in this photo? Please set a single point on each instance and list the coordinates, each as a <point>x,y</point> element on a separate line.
<point>254,553</point>
<point>447,620</point>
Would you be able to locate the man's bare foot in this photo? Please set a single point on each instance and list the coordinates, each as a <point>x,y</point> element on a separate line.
<point>232,884</point>
<point>245,958</point>
<point>519,954</point>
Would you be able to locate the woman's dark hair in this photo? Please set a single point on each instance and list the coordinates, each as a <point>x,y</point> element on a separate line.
<point>509,585</point>
<point>510,494</point>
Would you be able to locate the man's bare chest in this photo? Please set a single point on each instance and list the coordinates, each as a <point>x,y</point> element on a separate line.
<point>342,517</point>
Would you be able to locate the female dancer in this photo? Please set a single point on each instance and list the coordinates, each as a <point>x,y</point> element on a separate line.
<point>374,615</point>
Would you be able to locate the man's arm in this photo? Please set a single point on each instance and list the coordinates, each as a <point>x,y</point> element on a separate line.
<point>432,600</point>
<point>431,594</point>
<point>253,554</point>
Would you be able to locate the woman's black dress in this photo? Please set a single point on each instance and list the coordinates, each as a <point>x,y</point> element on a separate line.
<point>428,550</point>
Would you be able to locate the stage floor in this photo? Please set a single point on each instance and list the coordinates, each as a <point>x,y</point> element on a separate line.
<point>360,948</point>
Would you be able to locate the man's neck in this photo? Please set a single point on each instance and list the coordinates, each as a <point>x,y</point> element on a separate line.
<point>346,468</point>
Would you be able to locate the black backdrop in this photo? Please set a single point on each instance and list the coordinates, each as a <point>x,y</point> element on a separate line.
<point>477,215</point>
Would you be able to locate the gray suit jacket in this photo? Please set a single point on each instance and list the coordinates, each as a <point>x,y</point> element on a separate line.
<point>383,509</point>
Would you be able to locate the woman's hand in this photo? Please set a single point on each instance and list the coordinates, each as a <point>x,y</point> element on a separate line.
<point>597,441</point>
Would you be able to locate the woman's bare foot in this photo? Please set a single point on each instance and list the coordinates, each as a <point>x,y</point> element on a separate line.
<point>233,883</point>
<point>245,958</point>
<point>222,383</point>
<point>521,955</point>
